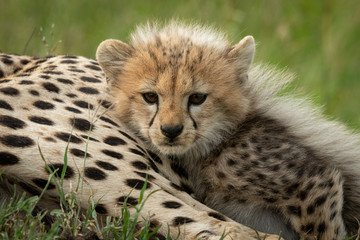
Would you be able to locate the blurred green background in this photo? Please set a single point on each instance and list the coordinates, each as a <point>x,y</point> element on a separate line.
<point>317,40</point>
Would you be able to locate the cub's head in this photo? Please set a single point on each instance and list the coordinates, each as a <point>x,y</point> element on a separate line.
<point>179,88</point>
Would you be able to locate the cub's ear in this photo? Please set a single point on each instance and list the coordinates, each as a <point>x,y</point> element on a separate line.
<point>243,53</point>
<point>111,55</point>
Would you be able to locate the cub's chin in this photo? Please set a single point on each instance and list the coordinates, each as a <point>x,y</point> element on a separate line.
<point>172,149</point>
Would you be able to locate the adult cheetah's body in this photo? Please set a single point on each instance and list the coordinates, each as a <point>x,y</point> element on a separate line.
<point>278,166</point>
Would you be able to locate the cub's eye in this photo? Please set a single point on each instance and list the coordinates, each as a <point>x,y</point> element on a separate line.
<point>150,97</point>
<point>197,98</point>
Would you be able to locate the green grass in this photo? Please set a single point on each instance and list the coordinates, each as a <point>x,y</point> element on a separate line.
<point>317,40</point>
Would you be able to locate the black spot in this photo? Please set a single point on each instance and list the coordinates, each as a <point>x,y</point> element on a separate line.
<point>310,209</point>
<point>7,61</point>
<point>105,119</point>
<point>65,81</point>
<point>26,82</point>
<point>140,165</point>
<point>177,187</point>
<point>333,204</point>
<point>171,204</point>
<point>23,75</point>
<point>333,215</point>
<point>43,105</point>
<point>292,188</point>
<point>145,175</point>
<point>77,70</point>
<point>88,90</point>
<point>81,124</point>
<point>11,122</point>
<point>155,223</point>
<point>95,173</point>
<point>137,152</point>
<point>79,153</point>
<point>40,61</point>
<point>100,208</point>
<point>137,184</point>
<point>16,141</point>
<point>71,95</point>
<point>127,136</point>
<point>93,67</point>
<point>217,216</point>
<point>68,61</point>
<point>179,170</point>
<point>321,227</point>
<point>86,137</point>
<point>34,92</point>
<point>155,157</point>
<point>231,162</point>
<point>66,137</point>
<point>58,100</point>
<point>105,104</point>
<point>24,61</point>
<point>90,79</point>
<point>114,141</point>
<point>83,104</point>
<point>302,195</point>
<point>53,72</point>
<point>51,87</point>
<point>181,220</point>
<point>45,76</point>
<point>112,154</point>
<point>8,159</point>
<point>129,200</point>
<point>2,74</point>
<point>295,210</point>
<point>309,228</point>
<point>9,91</point>
<point>4,80</point>
<point>50,139</point>
<point>270,200</point>
<point>320,200</point>
<point>29,188</point>
<point>42,183</point>
<point>5,105</point>
<point>41,120</point>
<point>74,110</point>
<point>68,172</point>
<point>153,166</point>
<point>220,174</point>
<point>31,69</point>
<point>187,188</point>
<point>106,165</point>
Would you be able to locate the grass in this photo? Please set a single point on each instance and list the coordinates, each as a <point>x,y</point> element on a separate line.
<point>317,40</point>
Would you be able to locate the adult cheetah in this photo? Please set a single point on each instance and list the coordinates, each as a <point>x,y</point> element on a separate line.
<point>183,109</point>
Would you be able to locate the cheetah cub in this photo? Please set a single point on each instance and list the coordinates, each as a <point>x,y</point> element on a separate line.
<point>267,161</point>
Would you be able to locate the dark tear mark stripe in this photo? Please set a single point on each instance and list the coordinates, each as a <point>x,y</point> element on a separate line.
<point>192,119</point>
<point>152,120</point>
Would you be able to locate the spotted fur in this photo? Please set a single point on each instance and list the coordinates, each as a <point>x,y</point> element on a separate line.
<point>188,112</point>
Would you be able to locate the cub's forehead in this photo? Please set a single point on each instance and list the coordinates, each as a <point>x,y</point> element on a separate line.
<point>179,35</point>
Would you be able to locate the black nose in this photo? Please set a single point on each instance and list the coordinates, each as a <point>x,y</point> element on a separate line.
<point>171,131</point>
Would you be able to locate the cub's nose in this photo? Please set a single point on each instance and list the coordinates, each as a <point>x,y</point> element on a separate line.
<point>171,131</point>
